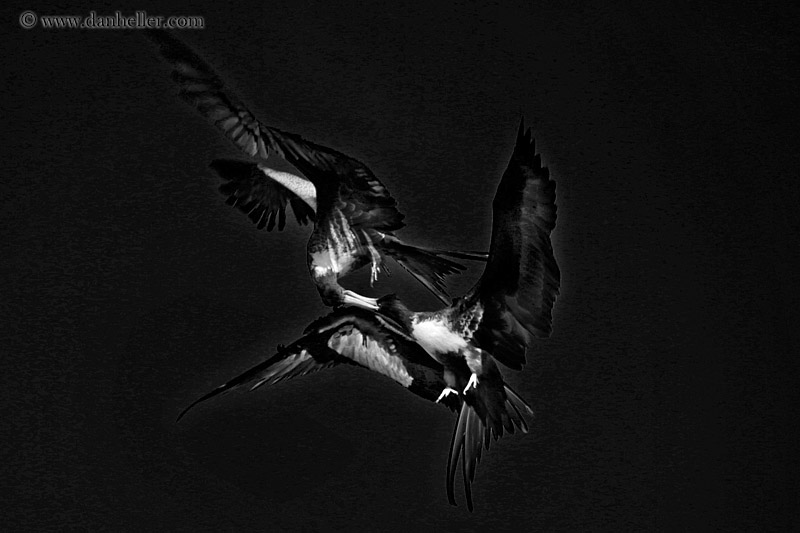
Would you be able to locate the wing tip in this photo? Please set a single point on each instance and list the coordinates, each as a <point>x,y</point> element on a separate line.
<point>525,142</point>
<point>218,390</point>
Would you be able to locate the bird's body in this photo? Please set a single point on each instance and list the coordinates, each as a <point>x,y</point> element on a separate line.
<point>354,215</point>
<point>441,335</point>
<point>513,300</point>
<point>495,320</point>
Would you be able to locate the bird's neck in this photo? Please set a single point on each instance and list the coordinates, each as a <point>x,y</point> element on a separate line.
<point>393,308</point>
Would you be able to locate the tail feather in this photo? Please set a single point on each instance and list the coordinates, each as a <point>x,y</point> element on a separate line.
<point>425,265</point>
<point>468,433</point>
<point>518,404</point>
<point>463,254</point>
<point>456,445</point>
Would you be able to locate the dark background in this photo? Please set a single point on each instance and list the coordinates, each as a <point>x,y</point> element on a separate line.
<point>129,288</point>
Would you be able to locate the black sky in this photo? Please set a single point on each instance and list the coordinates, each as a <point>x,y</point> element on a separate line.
<point>129,288</point>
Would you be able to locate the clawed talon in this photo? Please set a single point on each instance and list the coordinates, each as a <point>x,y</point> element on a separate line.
<point>473,382</point>
<point>445,393</point>
<point>375,255</point>
<point>373,276</point>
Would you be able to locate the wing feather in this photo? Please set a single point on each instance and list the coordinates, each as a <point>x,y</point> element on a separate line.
<point>262,199</point>
<point>521,280</point>
<point>286,364</point>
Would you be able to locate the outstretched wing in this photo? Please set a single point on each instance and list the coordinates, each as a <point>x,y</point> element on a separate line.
<point>521,280</point>
<point>261,198</point>
<point>348,335</point>
<point>340,180</point>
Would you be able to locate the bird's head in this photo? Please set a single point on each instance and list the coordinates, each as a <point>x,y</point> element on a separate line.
<point>391,306</point>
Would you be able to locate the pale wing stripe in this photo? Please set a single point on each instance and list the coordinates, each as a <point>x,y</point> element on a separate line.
<point>301,187</point>
<point>351,343</point>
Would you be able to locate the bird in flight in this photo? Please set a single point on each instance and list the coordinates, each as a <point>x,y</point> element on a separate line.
<point>514,297</point>
<point>355,218</point>
<point>449,356</point>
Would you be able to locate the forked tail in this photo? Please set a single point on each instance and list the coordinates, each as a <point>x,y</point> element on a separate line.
<point>471,434</point>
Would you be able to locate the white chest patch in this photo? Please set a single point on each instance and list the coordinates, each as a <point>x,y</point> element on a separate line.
<point>350,343</point>
<point>436,338</point>
<point>303,188</point>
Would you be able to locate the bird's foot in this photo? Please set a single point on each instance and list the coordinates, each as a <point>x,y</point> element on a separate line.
<point>473,382</point>
<point>375,260</point>
<point>445,393</point>
<point>373,275</point>
<point>353,298</point>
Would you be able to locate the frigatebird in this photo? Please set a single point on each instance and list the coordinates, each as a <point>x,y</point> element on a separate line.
<point>361,337</point>
<point>514,297</point>
<point>354,214</point>
<point>448,356</point>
